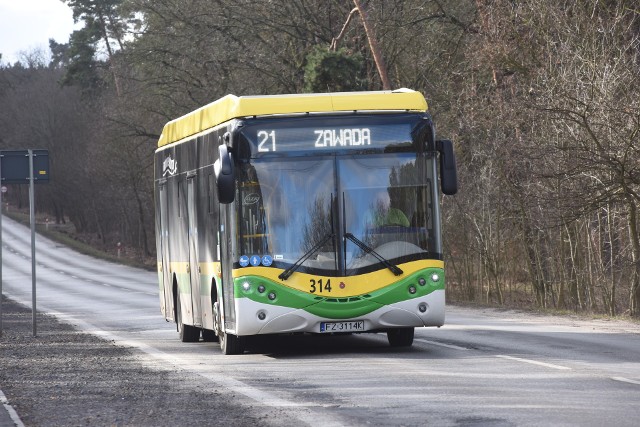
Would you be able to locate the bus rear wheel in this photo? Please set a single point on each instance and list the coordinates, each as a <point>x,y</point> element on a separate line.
<point>401,337</point>
<point>209,336</point>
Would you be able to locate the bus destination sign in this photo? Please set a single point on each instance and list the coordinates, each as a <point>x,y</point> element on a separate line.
<point>270,140</point>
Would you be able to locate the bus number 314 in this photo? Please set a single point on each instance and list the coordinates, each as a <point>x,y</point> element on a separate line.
<point>319,286</point>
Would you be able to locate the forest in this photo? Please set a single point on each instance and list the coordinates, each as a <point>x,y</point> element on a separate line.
<point>540,97</point>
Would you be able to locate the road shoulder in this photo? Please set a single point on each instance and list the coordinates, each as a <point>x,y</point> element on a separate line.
<point>64,377</point>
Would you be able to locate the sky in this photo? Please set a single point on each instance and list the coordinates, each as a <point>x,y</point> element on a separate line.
<point>26,25</point>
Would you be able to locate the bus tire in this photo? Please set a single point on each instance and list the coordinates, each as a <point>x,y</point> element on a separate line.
<point>209,336</point>
<point>187,333</point>
<point>231,344</point>
<point>401,337</point>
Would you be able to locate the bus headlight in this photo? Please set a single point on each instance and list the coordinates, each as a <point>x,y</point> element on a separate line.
<point>271,296</point>
<point>261,289</point>
<point>246,286</point>
<point>435,277</point>
<point>412,289</point>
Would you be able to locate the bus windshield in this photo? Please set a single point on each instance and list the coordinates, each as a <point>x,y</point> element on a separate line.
<point>334,211</point>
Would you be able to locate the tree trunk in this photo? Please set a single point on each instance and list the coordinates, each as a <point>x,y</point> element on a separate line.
<point>105,36</point>
<point>634,297</point>
<point>141,219</point>
<point>373,44</point>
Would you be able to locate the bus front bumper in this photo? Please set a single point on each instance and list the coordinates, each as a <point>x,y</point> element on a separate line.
<point>255,318</point>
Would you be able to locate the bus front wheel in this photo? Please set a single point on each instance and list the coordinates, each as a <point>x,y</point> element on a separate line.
<point>401,337</point>
<point>231,344</point>
<point>187,333</point>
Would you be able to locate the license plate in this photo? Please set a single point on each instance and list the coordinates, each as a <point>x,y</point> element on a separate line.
<point>353,326</point>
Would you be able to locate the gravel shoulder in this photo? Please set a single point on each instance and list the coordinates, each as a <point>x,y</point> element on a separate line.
<point>66,378</point>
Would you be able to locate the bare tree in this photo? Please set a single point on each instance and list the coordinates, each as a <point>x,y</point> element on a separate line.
<point>373,44</point>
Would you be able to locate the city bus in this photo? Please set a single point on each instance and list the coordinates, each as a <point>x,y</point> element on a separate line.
<point>305,213</point>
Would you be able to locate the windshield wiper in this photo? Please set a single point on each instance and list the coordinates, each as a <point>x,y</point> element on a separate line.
<point>289,271</point>
<point>394,268</point>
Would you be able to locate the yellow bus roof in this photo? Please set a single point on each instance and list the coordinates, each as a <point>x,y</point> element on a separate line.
<point>231,107</point>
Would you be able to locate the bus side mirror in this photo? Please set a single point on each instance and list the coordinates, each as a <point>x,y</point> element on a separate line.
<point>223,169</point>
<point>448,173</point>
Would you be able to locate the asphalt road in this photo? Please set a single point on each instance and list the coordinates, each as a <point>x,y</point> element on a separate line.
<point>484,367</point>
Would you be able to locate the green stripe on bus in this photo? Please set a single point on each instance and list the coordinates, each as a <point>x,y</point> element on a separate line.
<point>339,308</point>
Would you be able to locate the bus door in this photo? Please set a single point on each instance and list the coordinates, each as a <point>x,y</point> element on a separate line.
<point>166,298</point>
<point>226,261</point>
<point>194,266</point>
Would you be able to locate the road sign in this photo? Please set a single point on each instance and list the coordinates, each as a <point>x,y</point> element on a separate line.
<point>15,166</point>
<point>24,167</point>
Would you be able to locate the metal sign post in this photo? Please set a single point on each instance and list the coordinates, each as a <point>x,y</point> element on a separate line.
<point>32,222</point>
<point>17,167</point>
<point>1,294</point>
<point>3,189</point>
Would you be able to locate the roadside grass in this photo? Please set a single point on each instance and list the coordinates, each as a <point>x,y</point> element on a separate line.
<point>526,304</point>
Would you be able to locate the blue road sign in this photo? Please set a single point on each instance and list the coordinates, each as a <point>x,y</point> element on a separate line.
<point>15,166</point>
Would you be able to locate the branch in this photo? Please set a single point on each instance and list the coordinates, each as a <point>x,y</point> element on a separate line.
<point>335,40</point>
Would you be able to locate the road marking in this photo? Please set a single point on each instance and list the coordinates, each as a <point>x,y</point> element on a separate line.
<point>625,380</point>
<point>12,412</point>
<point>534,362</point>
<point>455,347</point>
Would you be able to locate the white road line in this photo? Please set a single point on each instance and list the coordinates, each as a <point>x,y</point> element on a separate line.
<point>455,347</point>
<point>535,362</point>
<point>626,380</point>
<point>12,412</point>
